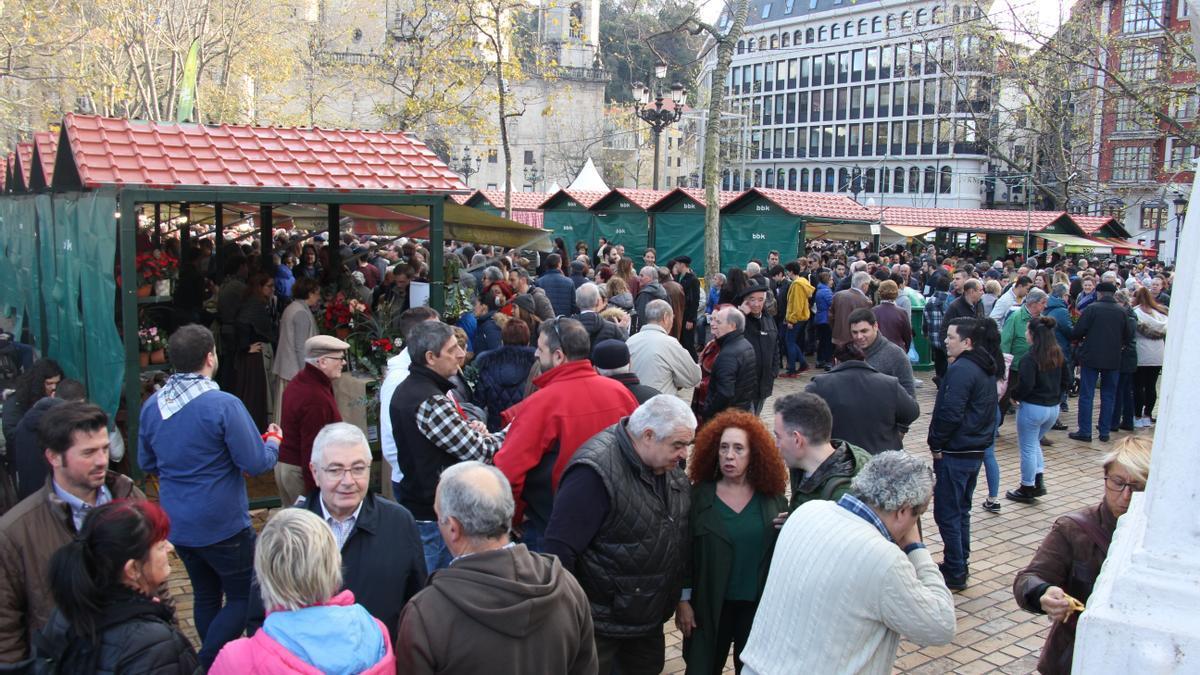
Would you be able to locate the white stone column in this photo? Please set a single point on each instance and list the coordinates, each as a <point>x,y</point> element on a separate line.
<point>1144,614</point>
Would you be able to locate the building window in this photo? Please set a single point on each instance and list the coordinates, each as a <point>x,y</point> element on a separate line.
<point>1140,63</point>
<point>1132,117</point>
<point>1131,163</point>
<point>946,176</point>
<point>1154,217</point>
<point>787,8</point>
<point>492,157</point>
<point>785,40</point>
<point>766,11</point>
<point>930,179</point>
<point>804,180</point>
<point>914,180</point>
<point>1141,16</point>
<point>1181,156</point>
<point>1186,105</point>
<point>528,157</point>
<point>898,183</point>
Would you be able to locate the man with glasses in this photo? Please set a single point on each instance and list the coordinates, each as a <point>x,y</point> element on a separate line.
<point>383,563</point>
<point>308,405</point>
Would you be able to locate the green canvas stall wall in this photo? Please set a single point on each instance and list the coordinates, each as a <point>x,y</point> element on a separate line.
<point>620,221</point>
<point>20,269</point>
<point>679,230</point>
<point>569,220</point>
<point>756,227</point>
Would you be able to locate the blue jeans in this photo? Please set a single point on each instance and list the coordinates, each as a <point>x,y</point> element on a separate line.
<point>437,555</point>
<point>1123,401</point>
<point>795,352</point>
<point>1033,422</point>
<point>224,568</point>
<point>991,468</point>
<point>953,490</point>
<point>1087,392</point>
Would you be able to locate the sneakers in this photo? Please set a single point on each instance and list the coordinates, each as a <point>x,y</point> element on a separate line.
<point>1142,423</point>
<point>991,506</point>
<point>1026,494</point>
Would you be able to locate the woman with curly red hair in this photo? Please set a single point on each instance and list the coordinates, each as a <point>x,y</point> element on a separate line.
<point>738,481</point>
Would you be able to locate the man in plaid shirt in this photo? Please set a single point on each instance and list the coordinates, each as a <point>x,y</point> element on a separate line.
<point>935,311</point>
<point>431,430</point>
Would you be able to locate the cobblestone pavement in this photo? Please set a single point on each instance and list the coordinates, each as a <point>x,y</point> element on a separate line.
<point>993,634</point>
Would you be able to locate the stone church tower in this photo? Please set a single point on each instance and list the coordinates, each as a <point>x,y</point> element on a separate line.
<point>570,31</point>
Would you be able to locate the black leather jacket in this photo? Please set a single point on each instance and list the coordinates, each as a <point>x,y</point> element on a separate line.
<point>734,382</point>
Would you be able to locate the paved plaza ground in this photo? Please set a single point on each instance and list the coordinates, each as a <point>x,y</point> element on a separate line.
<point>993,634</point>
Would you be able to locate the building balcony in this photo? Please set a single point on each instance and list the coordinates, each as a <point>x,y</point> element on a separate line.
<point>572,73</point>
<point>349,58</point>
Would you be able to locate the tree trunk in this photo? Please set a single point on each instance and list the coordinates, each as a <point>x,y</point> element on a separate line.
<point>712,136</point>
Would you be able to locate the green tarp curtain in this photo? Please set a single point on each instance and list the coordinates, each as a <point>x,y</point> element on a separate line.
<point>96,250</point>
<point>749,235</point>
<point>629,228</point>
<point>573,226</point>
<point>677,234</point>
<point>19,274</point>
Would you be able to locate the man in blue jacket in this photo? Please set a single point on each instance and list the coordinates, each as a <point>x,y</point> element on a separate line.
<point>559,288</point>
<point>960,430</point>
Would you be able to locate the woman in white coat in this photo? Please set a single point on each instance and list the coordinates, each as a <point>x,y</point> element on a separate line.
<point>1151,343</point>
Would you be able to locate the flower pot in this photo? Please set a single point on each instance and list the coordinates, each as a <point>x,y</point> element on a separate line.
<point>342,332</point>
<point>162,287</point>
<point>144,358</point>
<point>144,291</point>
<point>158,356</point>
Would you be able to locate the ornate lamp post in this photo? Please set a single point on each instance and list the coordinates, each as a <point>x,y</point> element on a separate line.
<point>467,165</point>
<point>533,176</point>
<point>1180,211</point>
<point>657,117</point>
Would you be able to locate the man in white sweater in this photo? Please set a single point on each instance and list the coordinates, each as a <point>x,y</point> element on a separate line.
<point>849,578</point>
<point>658,359</point>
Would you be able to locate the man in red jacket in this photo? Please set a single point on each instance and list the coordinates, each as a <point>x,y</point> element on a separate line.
<point>308,405</point>
<point>572,403</point>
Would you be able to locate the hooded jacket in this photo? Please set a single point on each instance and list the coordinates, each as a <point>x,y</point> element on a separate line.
<point>1056,308</point>
<point>963,421</point>
<point>519,612</point>
<point>598,328</point>
<point>502,375</point>
<point>832,479</point>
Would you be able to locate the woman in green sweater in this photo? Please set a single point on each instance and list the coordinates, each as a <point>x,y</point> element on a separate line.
<point>738,481</point>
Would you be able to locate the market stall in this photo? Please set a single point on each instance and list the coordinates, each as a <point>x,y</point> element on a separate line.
<point>623,217</point>
<point>761,220</point>
<point>679,224</point>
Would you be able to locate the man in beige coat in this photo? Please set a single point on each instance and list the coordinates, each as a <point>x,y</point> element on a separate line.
<point>296,325</point>
<point>657,358</point>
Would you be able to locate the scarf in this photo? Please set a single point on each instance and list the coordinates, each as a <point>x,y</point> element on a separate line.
<point>180,390</point>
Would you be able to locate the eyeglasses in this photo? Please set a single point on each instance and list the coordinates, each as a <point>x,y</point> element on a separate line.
<point>1118,485</point>
<point>357,472</point>
<point>557,334</point>
<point>341,358</point>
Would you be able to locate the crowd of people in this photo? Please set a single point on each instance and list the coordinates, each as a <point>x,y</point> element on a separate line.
<point>552,509</point>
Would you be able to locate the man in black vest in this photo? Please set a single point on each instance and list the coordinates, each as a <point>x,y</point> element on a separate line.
<point>431,431</point>
<point>606,541</point>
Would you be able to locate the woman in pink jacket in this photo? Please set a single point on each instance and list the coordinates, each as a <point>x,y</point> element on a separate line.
<point>308,629</point>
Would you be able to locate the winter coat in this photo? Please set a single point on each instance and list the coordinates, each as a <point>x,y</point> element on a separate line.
<point>520,612</point>
<point>648,292</point>
<point>1040,387</point>
<point>572,404</point>
<point>734,382</point>
<point>1129,355</point>
<point>30,533</point>
<point>845,302</point>
<point>308,405</point>
<point>336,637</point>
<point>599,328</point>
<point>956,310</point>
<point>963,421</point>
<point>1069,558</point>
<point>1104,331</point>
<point>560,290</point>
<point>296,325</point>
<point>870,409</point>
<point>822,303</point>
<point>26,452</point>
<point>710,566</point>
<point>502,375</point>
<point>1151,336</point>
<point>284,279</point>
<point>708,359</point>
<point>799,301</point>
<point>136,635</point>
<point>487,333</point>
<point>832,479</point>
<point>1056,308</point>
<point>763,335</point>
<point>895,324</point>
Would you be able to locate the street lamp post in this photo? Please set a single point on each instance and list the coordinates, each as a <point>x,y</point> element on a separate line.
<point>533,176</point>
<point>1180,211</point>
<point>657,117</point>
<point>465,166</point>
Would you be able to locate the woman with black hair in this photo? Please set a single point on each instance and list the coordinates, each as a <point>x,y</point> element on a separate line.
<point>987,339</point>
<point>257,335</point>
<point>35,384</point>
<point>735,282</point>
<point>108,618</point>
<point>1042,375</point>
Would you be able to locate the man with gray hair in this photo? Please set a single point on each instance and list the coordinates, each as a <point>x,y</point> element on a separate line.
<point>588,300</point>
<point>660,361</point>
<point>845,302</point>
<point>734,379</point>
<point>499,607</point>
<point>650,290</point>
<point>1012,336</point>
<point>863,556</point>
<point>621,514</point>
<point>383,562</point>
<point>308,405</point>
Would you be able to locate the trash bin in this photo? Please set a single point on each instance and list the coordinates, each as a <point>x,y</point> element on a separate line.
<point>924,357</point>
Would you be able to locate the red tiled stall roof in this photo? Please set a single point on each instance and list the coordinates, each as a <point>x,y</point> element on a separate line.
<point>1090,224</point>
<point>643,199</point>
<point>815,205</point>
<point>973,220</point>
<point>585,198</point>
<point>47,149</point>
<point>521,201</point>
<point>157,154</point>
<point>698,195</point>
<point>25,160</point>
<point>462,198</point>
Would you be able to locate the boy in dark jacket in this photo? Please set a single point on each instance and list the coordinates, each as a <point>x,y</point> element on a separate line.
<point>960,430</point>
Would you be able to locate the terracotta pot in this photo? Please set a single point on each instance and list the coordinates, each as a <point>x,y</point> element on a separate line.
<point>144,291</point>
<point>144,358</point>
<point>342,332</point>
<point>158,356</point>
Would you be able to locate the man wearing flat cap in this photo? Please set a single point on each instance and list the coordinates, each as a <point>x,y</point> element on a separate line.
<point>308,405</point>
<point>681,267</point>
<point>763,334</point>
<point>611,359</point>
